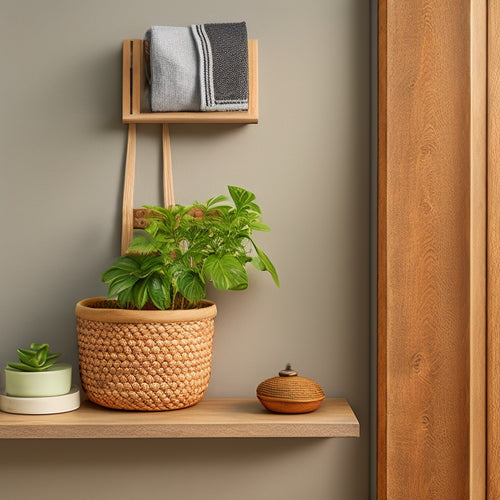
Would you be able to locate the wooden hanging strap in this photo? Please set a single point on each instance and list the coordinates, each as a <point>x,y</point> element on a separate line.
<point>168,179</point>
<point>136,218</point>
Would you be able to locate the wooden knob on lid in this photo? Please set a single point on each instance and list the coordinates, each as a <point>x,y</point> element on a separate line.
<point>288,372</point>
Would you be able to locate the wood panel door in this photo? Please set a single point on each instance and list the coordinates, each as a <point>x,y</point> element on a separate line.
<point>432,249</point>
<point>493,256</point>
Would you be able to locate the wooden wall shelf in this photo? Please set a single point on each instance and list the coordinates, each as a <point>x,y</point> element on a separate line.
<point>133,110</point>
<point>211,418</point>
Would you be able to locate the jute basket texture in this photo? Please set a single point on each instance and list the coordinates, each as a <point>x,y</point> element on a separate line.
<point>144,360</point>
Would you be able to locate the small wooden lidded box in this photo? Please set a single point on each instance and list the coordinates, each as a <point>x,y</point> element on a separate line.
<point>290,393</point>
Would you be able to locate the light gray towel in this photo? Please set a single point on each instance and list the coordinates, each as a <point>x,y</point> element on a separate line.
<point>174,69</point>
<point>223,71</point>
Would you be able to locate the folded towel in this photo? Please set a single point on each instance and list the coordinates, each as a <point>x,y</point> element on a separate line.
<point>223,65</point>
<point>174,69</point>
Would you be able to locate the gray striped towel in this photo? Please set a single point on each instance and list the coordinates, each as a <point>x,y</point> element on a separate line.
<point>223,65</point>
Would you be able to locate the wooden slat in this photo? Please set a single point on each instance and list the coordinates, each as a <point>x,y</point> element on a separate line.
<point>137,51</point>
<point>253,80</point>
<point>211,418</point>
<point>250,116</point>
<point>126,68</point>
<point>128,190</point>
<point>477,241</point>
<point>168,178</point>
<point>431,250</point>
<point>382,256</point>
<point>493,272</point>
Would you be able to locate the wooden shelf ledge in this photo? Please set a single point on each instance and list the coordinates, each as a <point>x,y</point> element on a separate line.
<point>211,418</point>
<point>134,109</point>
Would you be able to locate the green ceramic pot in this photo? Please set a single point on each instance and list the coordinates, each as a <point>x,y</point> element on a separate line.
<point>54,381</point>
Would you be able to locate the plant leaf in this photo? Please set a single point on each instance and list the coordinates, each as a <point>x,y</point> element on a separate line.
<point>37,347</point>
<point>217,199</point>
<point>27,357</point>
<point>259,226</point>
<point>125,298</point>
<point>268,264</point>
<point>226,272</point>
<point>143,245</point>
<point>258,264</point>
<point>23,367</point>
<point>120,284</point>
<point>157,293</point>
<point>41,355</point>
<point>191,286</point>
<point>112,273</point>
<point>140,293</point>
<point>241,197</point>
<point>127,263</point>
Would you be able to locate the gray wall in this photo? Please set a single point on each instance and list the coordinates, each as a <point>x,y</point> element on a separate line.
<point>62,152</point>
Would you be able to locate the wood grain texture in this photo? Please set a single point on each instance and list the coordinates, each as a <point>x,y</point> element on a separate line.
<point>236,418</point>
<point>128,190</point>
<point>136,116</point>
<point>126,69</point>
<point>168,176</point>
<point>382,255</point>
<point>493,245</point>
<point>431,250</point>
<point>477,241</point>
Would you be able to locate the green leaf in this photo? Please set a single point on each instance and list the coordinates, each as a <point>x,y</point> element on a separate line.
<point>140,294</point>
<point>241,197</point>
<point>142,245</point>
<point>120,284</point>
<point>23,367</point>
<point>41,355</point>
<point>258,264</point>
<point>37,347</point>
<point>268,264</point>
<point>47,364</point>
<point>191,286</point>
<point>226,272</point>
<point>213,201</point>
<point>27,357</point>
<point>158,293</point>
<point>151,265</point>
<point>254,207</point>
<point>125,298</point>
<point>259,226</point>
<point>113,273</point>
<point>127,263</point>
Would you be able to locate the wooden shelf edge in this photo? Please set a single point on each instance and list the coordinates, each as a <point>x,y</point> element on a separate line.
<point>211,418</point>
<point>241,117</point>
<point>133,83</point>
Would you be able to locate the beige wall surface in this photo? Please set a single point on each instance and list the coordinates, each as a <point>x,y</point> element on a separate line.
<point>62,149</point>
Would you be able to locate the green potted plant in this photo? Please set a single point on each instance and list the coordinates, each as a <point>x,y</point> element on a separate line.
<point>148,345</point>
<point>37,374</point>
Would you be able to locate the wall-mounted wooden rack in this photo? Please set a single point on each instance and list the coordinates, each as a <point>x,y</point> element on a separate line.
<point>211,418</point>
<point>134,110</point>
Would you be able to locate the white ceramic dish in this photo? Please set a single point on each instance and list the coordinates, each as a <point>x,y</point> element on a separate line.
<point>41,406</point>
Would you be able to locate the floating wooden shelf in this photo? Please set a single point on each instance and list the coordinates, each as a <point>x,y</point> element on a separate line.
<point>211,418</point>
<point>133,110</point>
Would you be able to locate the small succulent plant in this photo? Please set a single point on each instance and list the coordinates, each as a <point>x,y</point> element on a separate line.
<point>35,359</point>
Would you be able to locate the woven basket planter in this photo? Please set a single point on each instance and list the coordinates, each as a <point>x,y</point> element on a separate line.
<point>144,360</point>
